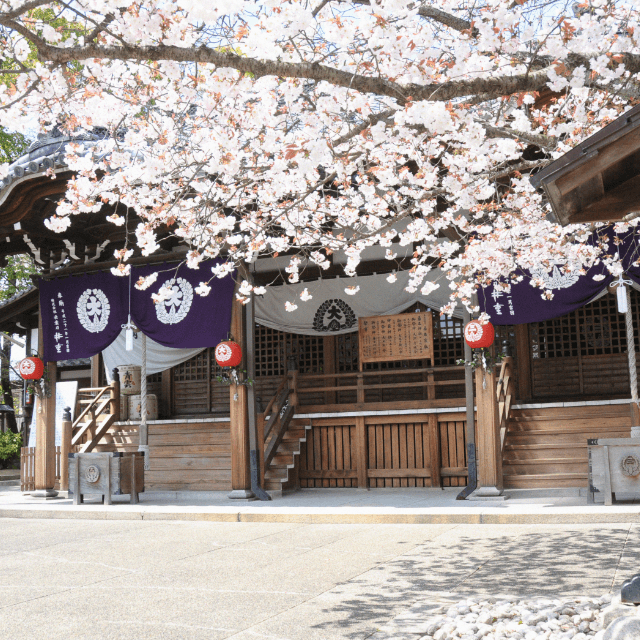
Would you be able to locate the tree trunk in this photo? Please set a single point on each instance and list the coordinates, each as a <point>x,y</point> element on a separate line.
<point>7,397</point>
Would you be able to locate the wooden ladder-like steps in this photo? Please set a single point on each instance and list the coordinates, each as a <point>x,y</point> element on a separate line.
<point>547,447</point>
<point>281,474</point>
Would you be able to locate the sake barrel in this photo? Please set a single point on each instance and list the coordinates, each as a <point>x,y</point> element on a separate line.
<point>129,379</point>
<point>135,407</point>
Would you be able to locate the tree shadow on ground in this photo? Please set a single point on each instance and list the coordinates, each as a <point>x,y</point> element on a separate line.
<point>561,563</point>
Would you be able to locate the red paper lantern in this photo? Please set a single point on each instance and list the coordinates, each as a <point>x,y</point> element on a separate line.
<point>228,354</point>
<point>31,368</point>
<point>479,335</point>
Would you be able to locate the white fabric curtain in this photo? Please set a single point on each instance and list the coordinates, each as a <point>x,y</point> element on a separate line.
<point>333,311</point>
<point>159,357</point>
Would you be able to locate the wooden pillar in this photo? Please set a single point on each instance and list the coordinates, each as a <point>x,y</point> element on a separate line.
<point>488,445</point>
<point>95,370</point>
<point>46,433</point>
<point>115,394</point>
<point>329,351</point>
<point>523,361</point>
<point>635,416</point>
<point>65,449</point>
<point>239,417</point>
<point>166,397</point>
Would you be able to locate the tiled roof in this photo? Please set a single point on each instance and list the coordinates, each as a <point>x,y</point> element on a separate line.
<point>47,152</point>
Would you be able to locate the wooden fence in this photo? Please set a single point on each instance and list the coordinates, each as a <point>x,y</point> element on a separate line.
<point>407,388</point>
<point>28,468</point>
<point>421,450</point>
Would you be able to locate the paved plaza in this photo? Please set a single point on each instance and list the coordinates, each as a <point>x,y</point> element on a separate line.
<point>79,578</point>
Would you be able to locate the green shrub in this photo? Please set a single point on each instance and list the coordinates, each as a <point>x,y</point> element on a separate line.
<point>10,444</point>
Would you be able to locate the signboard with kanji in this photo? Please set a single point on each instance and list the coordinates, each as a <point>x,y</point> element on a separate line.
<point>406,336</point>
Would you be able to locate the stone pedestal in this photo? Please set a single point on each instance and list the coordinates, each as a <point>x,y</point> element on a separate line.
<point>614,467</point>
<point>242,494</point>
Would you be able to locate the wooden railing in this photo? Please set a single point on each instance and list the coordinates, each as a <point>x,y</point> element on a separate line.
<point>28,468</point>
<point>505,392</point>
<point>424,384</point>
<point>276,418</point>
<point>102,402</point>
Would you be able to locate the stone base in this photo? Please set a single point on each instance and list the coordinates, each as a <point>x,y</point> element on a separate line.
<point>488,494</point>
<point>44,494</point>
<point>627,628</point>
<point>242,494</point>
<point>635,432</point>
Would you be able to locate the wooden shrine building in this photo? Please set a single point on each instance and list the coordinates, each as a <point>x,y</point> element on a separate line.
<point>324,418</point>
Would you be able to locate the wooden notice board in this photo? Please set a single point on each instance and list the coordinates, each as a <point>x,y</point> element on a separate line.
<point>406,336</point>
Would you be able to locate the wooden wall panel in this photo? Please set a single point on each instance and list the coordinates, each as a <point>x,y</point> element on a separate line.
<point>191,397</point>
<point>397,451</point>
<point>453,453</point>
<point>189,456</point>
<point>194,456</point>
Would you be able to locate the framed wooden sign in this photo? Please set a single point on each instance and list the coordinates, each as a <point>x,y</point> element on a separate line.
<point>406,336</point>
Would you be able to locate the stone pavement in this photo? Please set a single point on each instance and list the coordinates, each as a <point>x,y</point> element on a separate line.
<point>283,580</point>
<point>337,506</point>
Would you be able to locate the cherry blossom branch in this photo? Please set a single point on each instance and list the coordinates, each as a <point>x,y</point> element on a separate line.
<point>490,86</point>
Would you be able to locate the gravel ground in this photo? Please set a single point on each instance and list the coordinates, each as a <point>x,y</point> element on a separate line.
<point>501,618</point>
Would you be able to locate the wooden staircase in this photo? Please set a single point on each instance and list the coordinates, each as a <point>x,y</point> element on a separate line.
<point>546,447</point>
<point>282,437</point>
<point>281,475</point>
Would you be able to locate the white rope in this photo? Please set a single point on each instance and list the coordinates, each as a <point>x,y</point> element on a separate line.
<point>631,351</point>
<point>144,447</point>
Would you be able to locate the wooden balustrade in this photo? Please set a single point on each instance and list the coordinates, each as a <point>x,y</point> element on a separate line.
<point>424,386</point>
<point>505,392</point>
<point>102,402</point>
<point>28,468</point>
<point>275,420</point>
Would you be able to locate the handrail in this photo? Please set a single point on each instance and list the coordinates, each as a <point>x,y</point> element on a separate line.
<point>283,382</point>
<point>504,397</point>
<point>91,406</point>
<point>93,411</point>
<point>346,374</point>
<point>412,381</point>
<point>92,423</point>
<point>273,416</point>
<point>280,410</point>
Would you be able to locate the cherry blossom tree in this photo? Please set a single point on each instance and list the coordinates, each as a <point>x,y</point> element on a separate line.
<point>310,126</point>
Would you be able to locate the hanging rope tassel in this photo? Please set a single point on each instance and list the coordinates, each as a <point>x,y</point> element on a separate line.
<point>144,446</point>
<point>631,352</point>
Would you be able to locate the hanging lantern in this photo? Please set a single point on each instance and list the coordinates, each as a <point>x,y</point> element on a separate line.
<point>479,335</point>
<point>228,354</point>
<point>31,368</point>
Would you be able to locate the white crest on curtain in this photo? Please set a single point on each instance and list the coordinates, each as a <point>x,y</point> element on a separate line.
<point>333,311</point>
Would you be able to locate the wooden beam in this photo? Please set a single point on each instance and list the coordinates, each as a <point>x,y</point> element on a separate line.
<point>624,146</point>
<point>239,417</point>
<point>523,361</point>
<point>95,370</point>
<point>616,204</point>
<point>489,451</point>
<point>166,394</point>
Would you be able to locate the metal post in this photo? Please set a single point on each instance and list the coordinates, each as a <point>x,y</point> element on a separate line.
<point>65,449</point>
<point>472,469</point>
<point>250,333</point>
